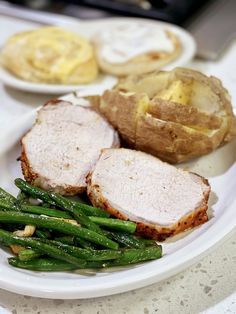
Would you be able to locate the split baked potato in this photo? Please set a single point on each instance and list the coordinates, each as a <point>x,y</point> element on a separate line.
<point>174,115</point>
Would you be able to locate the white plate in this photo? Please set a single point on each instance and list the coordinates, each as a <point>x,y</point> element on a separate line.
<point>179,252</point>
<point>97,87</point>
<point>88,29</point>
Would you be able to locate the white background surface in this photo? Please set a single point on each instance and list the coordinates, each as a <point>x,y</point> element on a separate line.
<point>208,287</point>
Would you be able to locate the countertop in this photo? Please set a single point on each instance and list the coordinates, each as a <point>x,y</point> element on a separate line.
<point>207,287</point>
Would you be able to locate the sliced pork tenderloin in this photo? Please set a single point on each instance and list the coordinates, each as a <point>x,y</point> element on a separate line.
<point>160,198</point>
<point>64,145</point>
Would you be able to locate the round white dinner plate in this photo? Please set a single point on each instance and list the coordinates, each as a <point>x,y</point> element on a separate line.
<point>88,29</point>
<point>179,252</point>
<point>97,87</point>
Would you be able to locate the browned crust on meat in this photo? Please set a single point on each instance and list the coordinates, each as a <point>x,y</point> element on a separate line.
<point>54,101</point>
<point>195,218</point>
<point>42,182</point>
<point>35,178</point>
<point>28,172</point>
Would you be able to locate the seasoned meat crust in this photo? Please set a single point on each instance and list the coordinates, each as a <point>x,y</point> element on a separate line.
<point>160,198</point>
<point>64,145</point>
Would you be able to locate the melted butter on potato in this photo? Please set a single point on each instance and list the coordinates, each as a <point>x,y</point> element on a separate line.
<point>175,115</point>
<point>143,104</point>
<point>177,91</point>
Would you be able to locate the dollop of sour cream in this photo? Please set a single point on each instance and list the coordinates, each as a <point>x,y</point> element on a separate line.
<point>126,41</point>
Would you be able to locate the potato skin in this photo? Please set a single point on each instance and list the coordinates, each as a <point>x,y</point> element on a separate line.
<point>121,115</point>
<point>185,115</point>
<point>121,111</point>
<point>173,142</point>
<point>172,131</point>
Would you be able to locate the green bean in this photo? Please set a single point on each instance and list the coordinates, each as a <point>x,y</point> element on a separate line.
<point>115,224</point>
<point>42,264</point>
<point>70,240</point>
<point>22,198</point>
<point>45,205</point>
<point>96,264</point>
<point>126,239</point>
<point>90,210</point>
<point>84,243</point>
<point>55,224</point>
<point>43,234</point>
<point>45,211</point>
<point>45,248</point>
<point>132,256</point>
<point>4,204</point>
<point>80,217</point>
<point>148,242</point>
<point>7,196</point>
<point>88,255</point>
<point>33,191</point>
<point>46,197</point>
<point>76,241</point>
<point>128,257</point>
<point>129,240</point>
<point>28,254</point>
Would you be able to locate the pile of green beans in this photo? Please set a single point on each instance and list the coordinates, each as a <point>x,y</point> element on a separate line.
<point>69,234</point>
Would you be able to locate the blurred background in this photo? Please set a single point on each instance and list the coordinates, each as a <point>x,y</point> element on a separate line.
<point>211,22</point>
<point>174,11</point>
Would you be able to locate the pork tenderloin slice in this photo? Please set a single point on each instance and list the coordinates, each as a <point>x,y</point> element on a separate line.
<point>64,145</point>
<point>160,198</point>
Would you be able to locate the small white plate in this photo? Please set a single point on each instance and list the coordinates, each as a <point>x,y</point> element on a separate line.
<point>88,29</point>
<point>179,252</point>
<point>97,87</point>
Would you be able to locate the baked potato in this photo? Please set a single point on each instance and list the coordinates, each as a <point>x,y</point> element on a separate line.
<point>176,115</point>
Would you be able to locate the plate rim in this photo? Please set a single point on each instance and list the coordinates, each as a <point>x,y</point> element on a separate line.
<point>8,79</point>
<point>186,38</point>
<point>142,280</point>
<point>148,273</point>
<point>185,256</point>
